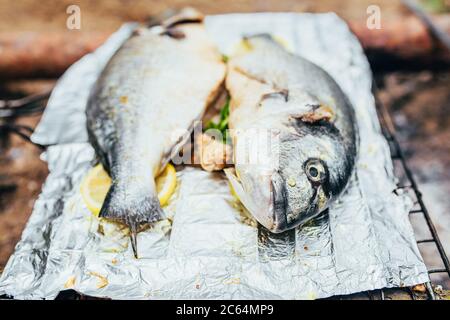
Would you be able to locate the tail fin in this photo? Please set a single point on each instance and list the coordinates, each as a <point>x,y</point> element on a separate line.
<point>131,208</point>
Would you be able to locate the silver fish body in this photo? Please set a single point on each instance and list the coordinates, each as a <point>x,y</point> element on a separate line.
<point>292,117</point>
<point>151,92</point>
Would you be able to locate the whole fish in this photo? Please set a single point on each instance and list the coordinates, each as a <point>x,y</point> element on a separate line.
<point>158,83</point>
<point>300,125</point>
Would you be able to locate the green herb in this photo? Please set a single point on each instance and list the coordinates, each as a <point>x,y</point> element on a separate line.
<point>222,125</point>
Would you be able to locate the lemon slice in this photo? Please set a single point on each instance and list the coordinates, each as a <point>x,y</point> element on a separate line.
<point>166,183</point>
<point>96,184</point>
<point>94,188</point>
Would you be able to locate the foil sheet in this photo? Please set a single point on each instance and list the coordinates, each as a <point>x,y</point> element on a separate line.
<point>210,247</point>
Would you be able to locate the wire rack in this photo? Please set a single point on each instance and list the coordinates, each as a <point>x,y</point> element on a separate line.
<point>408,183</point>
<point>9,110</point>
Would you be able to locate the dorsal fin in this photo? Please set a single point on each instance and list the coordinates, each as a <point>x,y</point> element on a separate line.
<point>186,15</point>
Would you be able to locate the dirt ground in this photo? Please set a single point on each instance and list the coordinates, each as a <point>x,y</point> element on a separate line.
<point>419,101</point>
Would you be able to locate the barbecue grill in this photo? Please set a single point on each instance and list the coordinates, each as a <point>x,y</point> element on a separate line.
<point>35,104</point>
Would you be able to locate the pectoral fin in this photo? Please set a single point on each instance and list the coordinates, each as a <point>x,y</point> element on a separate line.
<point>235,183</point>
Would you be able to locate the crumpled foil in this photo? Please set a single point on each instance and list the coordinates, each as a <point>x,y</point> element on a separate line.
<point>209,247</point>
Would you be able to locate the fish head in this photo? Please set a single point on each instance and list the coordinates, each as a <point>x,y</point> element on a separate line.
<point>314,168</point>
<point>311,169</point>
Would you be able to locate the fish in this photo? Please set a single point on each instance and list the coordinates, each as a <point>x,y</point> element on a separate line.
<point>293,118</point>
<point>158,83</point>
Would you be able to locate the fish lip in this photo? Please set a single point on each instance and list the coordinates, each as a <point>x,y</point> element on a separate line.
<point>279,222</point>
<point>279,214</point>
<point>279,229</point>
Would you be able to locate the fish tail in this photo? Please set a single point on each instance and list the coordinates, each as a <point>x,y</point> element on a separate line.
<point>134,211</point>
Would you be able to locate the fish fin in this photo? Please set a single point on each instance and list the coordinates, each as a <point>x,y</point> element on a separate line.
<point>265,36</point>
<point>101,156</point>
<point>186,15</point>
<point>174,33</point>
<point>262,42</point>
<point>316,113</point>
<point>238,189</point>
<point>284,93</point>
<point>170,18</point>
<point>245,198</point>
<point>133,240</point>
<point>134,213</point>
<point>259,39</point>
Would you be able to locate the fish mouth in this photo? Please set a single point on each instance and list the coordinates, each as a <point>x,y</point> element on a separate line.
<point>279,223</point>
<point>279,201</point>
<point>285,218</point>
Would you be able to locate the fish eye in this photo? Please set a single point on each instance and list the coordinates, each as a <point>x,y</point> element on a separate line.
<point>315,170</point>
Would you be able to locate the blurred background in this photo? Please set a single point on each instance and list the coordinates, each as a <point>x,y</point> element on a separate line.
<point>408,54</point>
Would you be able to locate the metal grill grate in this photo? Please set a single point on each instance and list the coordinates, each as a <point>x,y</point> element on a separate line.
<point>9,110</point>
<point>409,183</point>
<point>13,109</point>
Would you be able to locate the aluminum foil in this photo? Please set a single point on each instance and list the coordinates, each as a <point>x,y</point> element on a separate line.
<point>209,247</point>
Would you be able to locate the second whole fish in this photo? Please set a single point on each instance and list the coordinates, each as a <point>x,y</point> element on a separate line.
<point>293,118</point>
<point>158,83</point>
